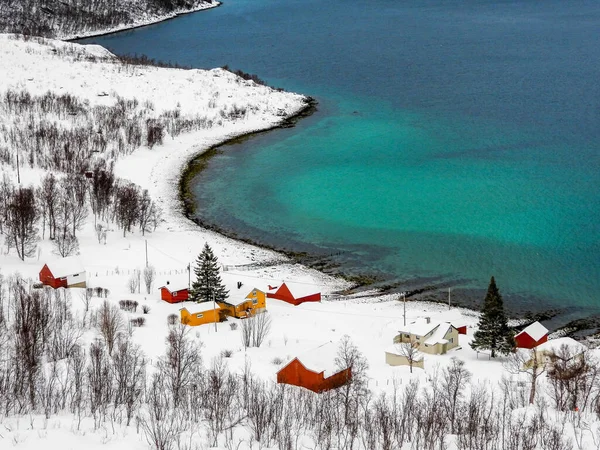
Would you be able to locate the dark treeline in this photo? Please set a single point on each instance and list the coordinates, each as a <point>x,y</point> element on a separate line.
<point>60,207</point>
<point>46,368</point>
<point>52,18</point>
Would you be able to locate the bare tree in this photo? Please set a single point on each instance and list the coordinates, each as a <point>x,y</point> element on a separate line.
<point>255,329</point>
<point>354,391</point>
<point>453,382</point>
<point>526,362</point>
<point>181,364</point>
<point>130,376</point>
<point>22,217</point>
<point>48,195</point>
<point>161,421</point>
<point>219,393</point>
<point>101,233</point>
<point>110,323</point>
<point>6,193</point>
<point>127,206</point>
<point>410,350</point>
<point>100,382</point>
<point>149,276</point>
<point>103,185</point>
<point>147,212</point>
<point>66,244</point>
<point>76,188</point>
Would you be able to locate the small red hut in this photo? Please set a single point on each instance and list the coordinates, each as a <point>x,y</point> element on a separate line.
<point>174,296</point>
<point>315,370</point>
<point>283,293</point>
<point>532,336</point>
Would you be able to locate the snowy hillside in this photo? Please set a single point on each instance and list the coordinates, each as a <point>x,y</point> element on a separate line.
<point>79,18</point>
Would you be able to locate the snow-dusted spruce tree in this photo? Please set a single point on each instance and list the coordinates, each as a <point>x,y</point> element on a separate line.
<point>208,284</point>
<point>494,333</point>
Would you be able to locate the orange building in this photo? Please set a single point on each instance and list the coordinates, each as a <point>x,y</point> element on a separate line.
<point>315,370</point>
<point>194,314</point>
<point>240,308</point>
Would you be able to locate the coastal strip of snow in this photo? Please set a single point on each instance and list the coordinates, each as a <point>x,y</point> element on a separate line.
<point>144,19</point>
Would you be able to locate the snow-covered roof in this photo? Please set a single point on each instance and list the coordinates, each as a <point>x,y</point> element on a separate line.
<point>395,350</point>
<point>171,288</point>
<point>65,266</point>
<point>421,327</point>
<point>438,334</point>
<point>554,345</point>
<point>321,359</point>
<point>236,301</point>
<point>536,330</point>
<point>298,290</point>
<point>194,308</point>
<point>454,316</point>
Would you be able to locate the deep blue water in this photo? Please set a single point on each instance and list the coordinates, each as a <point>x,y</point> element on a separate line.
<point>453,141</point>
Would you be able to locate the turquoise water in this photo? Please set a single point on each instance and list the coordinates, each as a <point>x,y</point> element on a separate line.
<point>452,142</point>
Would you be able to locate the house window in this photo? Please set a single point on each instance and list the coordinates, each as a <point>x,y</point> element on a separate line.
<point>407,336</point>
<point>199,316</point>
<point>255,301</point>
<point>451,340</point>
<point>76,275</point>
<point>253,293</point>
<point>174,293</point>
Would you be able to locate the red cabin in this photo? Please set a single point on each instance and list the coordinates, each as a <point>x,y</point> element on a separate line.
<point>283,293</point>
<point>65,272</point>
<point>316,370</point>
<point>176,296</point>
<point>532,336</point>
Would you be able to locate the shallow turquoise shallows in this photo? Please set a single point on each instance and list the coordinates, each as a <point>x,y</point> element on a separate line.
<point>453,141</point>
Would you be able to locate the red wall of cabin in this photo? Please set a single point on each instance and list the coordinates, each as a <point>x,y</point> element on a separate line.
<point>298,375</point>
<point>48,279</point>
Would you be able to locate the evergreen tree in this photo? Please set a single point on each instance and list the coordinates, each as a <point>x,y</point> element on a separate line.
<point>493,333</point>
<point>208,284</point>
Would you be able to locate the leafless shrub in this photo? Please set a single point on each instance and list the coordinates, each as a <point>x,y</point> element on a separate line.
<point>226,353</point>
<point>145,309</point>
<point>277,361</point>
<point>138,321</point>
<point>172,319</point>
<point>233,326</point>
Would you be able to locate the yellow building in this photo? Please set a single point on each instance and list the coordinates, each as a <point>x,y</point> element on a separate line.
<point>194,314</point>
<point>254,302</point>
<point>435,338</point>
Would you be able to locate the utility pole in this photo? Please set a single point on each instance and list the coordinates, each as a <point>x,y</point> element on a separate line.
<point>448,298</point>
<point>214,311</point>
<point>403,294</point>
<point>189,277</point>
<point>146,252</point>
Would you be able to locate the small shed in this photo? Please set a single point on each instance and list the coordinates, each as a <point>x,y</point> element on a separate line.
<point>283,293</point>
<point>240,308</point>
<point>532,336</point>
<point>549,350</point>
<point>395,357</point>
<point>194,314</point>
<point>315,370</point>
<point>170,295</point>
<point>66,272</point>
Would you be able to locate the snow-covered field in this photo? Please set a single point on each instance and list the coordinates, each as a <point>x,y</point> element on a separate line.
<point>41,66</point>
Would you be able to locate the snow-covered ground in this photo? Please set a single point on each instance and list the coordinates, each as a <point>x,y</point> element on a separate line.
<point>370,322</point>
